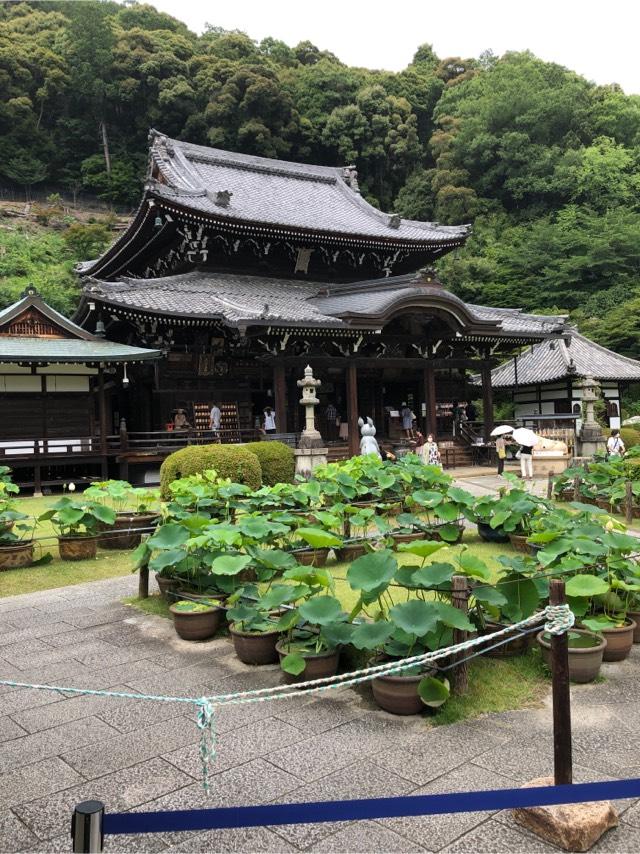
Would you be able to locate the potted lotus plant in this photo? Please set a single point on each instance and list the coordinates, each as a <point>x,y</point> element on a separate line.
<point>16,541</point>
<point>310,545</point>
<point>77,521</point>
<point>253,622</point>
<point>136,512</point>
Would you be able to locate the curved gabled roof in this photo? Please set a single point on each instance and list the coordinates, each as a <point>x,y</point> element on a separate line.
<point>572,355</point>
<point>279,192</point>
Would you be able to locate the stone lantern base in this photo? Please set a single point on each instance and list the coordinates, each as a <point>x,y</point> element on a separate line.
<point>307,459</point>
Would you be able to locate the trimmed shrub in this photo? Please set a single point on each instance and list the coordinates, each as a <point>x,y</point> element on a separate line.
<point>277,460</point>
<point>232,461</point>
<point>630,436</point>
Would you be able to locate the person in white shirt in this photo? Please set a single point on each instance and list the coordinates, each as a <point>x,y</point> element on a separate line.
<point>215,416</point>
<point>269,420</point>
<point>615,445</point>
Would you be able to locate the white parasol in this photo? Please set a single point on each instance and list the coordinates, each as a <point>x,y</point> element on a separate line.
<point>501,430</point>
<point>526,437</point>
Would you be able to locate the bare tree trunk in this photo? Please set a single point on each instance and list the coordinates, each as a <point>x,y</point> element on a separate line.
<point>105,146</point>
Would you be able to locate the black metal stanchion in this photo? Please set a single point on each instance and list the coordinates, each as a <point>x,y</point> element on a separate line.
<point>562,762</point>
<point>86,827</point>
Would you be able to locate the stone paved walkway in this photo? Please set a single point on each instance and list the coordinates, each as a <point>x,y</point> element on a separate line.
<point>58,750</point>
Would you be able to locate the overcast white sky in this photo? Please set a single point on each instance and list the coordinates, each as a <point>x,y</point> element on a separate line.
<point>596,39</point>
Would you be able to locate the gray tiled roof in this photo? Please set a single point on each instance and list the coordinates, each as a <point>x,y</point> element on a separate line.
<point>296,195</point>
<point>22,348</point>
<point>230,297</point>
<point>237,299</point>
<point>554,360</point>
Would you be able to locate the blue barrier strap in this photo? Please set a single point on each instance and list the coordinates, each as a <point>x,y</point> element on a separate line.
<point>349,810</point>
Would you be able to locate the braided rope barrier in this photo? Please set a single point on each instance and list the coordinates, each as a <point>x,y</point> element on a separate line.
<point>558,619</point>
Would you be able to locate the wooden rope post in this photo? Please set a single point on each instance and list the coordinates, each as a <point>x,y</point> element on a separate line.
<point>576,488</point>
<point>460,600</point>
<point>143,581</point>
<point>550,485</point>
<point>628,502</point>
<point>562,762</point>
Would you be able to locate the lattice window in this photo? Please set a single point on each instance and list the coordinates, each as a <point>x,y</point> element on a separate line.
<point>32,323</point>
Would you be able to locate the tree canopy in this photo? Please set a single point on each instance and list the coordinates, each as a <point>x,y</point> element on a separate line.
<point>544,163</point>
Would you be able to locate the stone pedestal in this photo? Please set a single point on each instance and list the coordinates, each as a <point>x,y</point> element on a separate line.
<point>573,827</point>
<point>591,440</point>
<point>307,459</point>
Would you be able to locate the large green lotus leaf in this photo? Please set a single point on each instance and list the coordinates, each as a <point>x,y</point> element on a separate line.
<point>404,576</point>
<point>275,558</point>
<point>432,574</point>
<point>385,480</point>
<point>453,617</point>
<point>227,535</point>
<point>544,536</point>
<point>433,692</point>
<point>104,514</point>
<point>168,537</point>
<point>371,635</point>
<point>288,620</point>
<point>313,576</point>
<point>230,564</point>
<point>461,496</point>
<point>258,528</point>
<point>165,559</point>
<point>499,518</point>
<point>589,547</point>
<point>621,542</point>
<point>489,596</point>
<point>449,533</point>
<point>321,610</point>
<point>280,594</point>
<point>553,551</point>
<point>415,617</point>
<point>427,497</point>
<point>473,566</point>
<point>586,585</point>
<point>318,539</point>
<point>336,634</point>
<point>600,623</point>
<point>522,598</point>
<point>446,511</point>
<point>421,548</point>
<point>241,612</point>
<point>372,570</point>
<point>293,663</point>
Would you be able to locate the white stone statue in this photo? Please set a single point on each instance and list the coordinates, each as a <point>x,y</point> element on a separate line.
<point>368,443</point>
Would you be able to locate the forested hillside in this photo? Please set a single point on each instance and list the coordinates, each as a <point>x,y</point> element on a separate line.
<point>544,163</point>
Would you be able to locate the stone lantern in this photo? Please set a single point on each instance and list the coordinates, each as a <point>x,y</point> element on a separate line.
<point>591,437</point>
<point>310,451</point>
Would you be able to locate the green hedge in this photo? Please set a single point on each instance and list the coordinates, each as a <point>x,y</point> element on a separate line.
<point>233,461</point>
<point>630,436</point>
<point>277,460</point>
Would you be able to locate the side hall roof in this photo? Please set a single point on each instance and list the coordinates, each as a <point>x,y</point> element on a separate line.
<point>572,355</point>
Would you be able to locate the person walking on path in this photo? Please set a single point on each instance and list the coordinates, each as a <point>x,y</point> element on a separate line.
<point>615,445</point>
<point>269,420</point>
<point>526,461</point>
<point>215,417</point>
<point>407,420</point>
<point>501,452</point>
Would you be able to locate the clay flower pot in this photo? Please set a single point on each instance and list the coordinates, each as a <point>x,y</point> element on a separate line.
<point>398,694</point>
<point>351,551</point>
<point>167,587</point>
<point>124,533</point>
<point>519,542</point>
<point>255,647</point>
<point>311,557</point>
<point>584,661</point>
<point>635,616</point>
<point>196,625</point>
<point>408,537</point>
<point>78,548</point>
<point>517,646</point>
<point>619,641</point>
<point>16,555</point>
<point>491,535</point>
<point>318,665</point>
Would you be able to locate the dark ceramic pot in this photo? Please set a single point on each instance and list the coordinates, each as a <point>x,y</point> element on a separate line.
<point>584,662</point>
<point>16,555</point>
<point>255,647</point>
<point>317,665</point>
<point>519,645</point>
<point>126,532</point>
<point>311,557</point>
<point>196,625</point>
<point>491,535</point>
<point>398,694</point>
<point>77,548</point>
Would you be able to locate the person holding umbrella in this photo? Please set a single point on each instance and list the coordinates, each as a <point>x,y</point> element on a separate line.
<point>527,440</point>
<point>503,436</point>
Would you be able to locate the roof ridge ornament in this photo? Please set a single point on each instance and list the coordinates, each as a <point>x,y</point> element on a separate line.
<point>395,220</point>
<point>426,277</point>
<point>350,175</point>
<point>223,198</point>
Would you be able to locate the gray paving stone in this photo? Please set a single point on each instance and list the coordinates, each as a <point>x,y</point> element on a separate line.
<point>520,760</point>
<point>27,660</point>
<point>124,750</point>
<point>441,830</point>
<point>363,837</point>
<point>14,836</point>
<point>359,780</point>
<point>121,844</point>
<point>48,817</point>
<point>492,837</point>
<point>34,781</point>
<point>9,729</point>
<point>187,680</point>
<point>15,699</point>
<point>239,746</point>
<point>52,742</point>
<point>237,839</point>
<point>26,636</point>
<point>624,839</point>
<point>256,782</point>
<point>319,715</point>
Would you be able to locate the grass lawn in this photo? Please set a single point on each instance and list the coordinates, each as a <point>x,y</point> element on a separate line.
<point>58,573</point>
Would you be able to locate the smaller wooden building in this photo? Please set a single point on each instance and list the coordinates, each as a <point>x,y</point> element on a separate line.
<point>57,382</point>
<point>546,378</point>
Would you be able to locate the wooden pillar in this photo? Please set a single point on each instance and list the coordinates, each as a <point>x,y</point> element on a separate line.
<point>280,394</point>
<point>561,695</point>
<point>102,416</point>
<point>429,382</point>
<point>352,409</point>
<point>487,400</point>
